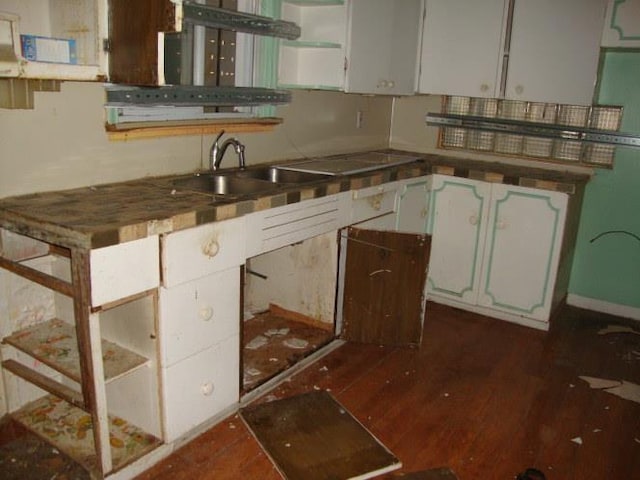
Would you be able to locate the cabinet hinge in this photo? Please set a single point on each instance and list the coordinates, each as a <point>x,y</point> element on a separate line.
<point>106,45</point>
<point>346,64</point>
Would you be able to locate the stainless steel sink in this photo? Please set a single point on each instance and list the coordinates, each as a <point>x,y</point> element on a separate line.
<point>239,183</point>
<point>223,184</point>
<point>278,175</point>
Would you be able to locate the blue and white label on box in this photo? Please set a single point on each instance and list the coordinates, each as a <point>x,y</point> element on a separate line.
<point>47,49</point>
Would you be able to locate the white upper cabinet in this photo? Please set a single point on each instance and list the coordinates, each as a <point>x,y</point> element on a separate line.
<point>382,46</point>
<point>66,36</point>
<point>357,46</point>
<point>546,51</point>
<point>622,24</point>
<point>555,46</point>
<point>461,45</point>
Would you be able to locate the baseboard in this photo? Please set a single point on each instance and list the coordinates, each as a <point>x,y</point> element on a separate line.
<point>601,306</point>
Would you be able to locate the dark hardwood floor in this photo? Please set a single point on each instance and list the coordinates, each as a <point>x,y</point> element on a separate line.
<point>484,397</point>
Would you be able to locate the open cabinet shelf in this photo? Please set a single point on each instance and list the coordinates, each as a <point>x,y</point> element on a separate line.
<point>69,429</point>
<point>54,343</point>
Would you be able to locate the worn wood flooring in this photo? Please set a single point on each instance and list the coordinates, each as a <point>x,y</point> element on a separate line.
<point>481,396</point>
<point>484,397</point>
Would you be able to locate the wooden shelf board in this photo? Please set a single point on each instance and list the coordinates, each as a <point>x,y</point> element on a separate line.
<point>69,429</point>
<point>54,343</point>
<point>44,382</point>
<point>141,130</point>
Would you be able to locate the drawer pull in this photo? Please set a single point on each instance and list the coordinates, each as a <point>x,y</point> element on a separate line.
<point>211,248</point>
<point>473,219</point>
<point>207,389</point>
<point>206,313</point>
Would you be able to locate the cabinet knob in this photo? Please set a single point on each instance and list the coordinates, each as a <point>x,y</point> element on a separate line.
<point>211,248</point>
<point>473,219</point>
<point>484,88</point>
<point>519,89</point>
<point>383,84</point>
<point>207,389</point>
<point>391,84</point>
<point>423,213</point>
<point>206,313</point>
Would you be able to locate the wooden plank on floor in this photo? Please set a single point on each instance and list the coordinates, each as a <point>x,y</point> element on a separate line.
<point>312,436</point>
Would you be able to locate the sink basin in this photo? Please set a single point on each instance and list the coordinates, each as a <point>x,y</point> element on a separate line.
<point>277,175</point>
<point>224,184</point>
<point>248,182</point>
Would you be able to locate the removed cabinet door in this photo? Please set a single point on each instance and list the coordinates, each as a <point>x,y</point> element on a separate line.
<point>385,278</point>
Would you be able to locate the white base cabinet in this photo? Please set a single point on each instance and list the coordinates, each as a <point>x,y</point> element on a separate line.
<point>496,246</point>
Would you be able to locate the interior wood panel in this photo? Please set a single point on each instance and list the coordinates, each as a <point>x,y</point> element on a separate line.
<point>385,276</point>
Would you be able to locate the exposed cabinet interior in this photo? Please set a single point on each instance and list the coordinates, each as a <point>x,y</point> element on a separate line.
<point>289,306</point>
<point>83,376</point>
<point>316,59</point>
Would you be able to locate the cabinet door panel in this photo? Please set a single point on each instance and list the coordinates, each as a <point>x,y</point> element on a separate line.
<point>458,213</point>
<point>554,50</point>
<point>461,46</point>
<point>525,229</point>
<point>382,46</point>
<point>413,204</point>
<point>198,314</point>
<point>200,387</point>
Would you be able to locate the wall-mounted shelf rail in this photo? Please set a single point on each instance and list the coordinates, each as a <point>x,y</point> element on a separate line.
<point>185,95</point>
<point>544,130</point>
<point>215,17</point>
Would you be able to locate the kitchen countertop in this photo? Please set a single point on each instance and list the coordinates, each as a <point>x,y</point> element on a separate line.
<point>103,215</point>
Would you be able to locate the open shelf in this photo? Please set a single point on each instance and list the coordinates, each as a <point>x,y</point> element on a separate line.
<point>70,430</point>
<point>54,343</point>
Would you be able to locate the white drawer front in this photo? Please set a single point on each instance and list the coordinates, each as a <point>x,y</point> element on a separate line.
<point>119,271</point>
<point>373,202</point>
<point>198,314</point>
<point>277,227</point>
<point>200,387</point>
<point>200,251</point>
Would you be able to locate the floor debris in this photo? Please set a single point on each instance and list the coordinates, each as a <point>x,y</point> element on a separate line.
<point>617,329</point>
<point>297,343</point>
<point>577,440</point>
<point>620,388</point>
<point>256,342</point>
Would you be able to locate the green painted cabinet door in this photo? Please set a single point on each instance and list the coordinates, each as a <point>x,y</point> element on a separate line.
<point>457,220</point>
<point>523,241</point>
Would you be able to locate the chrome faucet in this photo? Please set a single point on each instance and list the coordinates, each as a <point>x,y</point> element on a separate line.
<point>217,151</point>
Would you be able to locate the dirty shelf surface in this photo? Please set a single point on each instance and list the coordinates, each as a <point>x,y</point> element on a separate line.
<point>54,343</point>
<point>70,430</point>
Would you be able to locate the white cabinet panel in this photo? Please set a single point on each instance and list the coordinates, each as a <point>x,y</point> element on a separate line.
<point>373,202</point>
<point>554,50</point>
<point>199,251</point>
<point>277,227</point>
<point>198,314</point>
<point>413,206</point>
<point>382,46</point>
<point>460,47</point>
<point>496,248</point>
<point>458,213</point>
<point>525,229</point>
<point>551,55</point>
<point>125,269</point>
<point>622,24</point>
<point>198,388</point>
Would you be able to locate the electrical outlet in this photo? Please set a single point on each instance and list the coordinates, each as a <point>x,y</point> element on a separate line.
<point>359,119</point>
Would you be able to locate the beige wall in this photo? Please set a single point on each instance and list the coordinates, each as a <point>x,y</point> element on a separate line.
<point>62,144</point>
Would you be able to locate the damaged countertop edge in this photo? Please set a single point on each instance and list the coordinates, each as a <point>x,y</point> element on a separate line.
<point>123,211</point>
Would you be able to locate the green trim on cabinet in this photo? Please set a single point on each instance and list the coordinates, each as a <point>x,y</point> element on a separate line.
<point>478,226</point>
<point>618,28</point>
<point>494,234</point>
